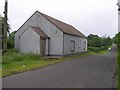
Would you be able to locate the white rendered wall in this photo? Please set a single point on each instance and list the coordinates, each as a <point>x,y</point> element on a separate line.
<point>30,42</point>
<point>31,22</point>
<point>56,35</point>
<point>79,44</point>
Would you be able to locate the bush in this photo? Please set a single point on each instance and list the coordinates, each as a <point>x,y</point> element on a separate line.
<point>97,49</point>
<point>118,70</point>
<point>117,40</point>
<point>10,44</point>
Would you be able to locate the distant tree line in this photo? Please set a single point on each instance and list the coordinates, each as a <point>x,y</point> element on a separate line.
<point>96,41</point>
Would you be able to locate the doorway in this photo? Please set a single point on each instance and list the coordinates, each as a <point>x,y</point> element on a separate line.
<point>43,46</point>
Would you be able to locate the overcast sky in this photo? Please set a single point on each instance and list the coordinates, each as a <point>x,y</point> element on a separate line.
<point>88,16</point>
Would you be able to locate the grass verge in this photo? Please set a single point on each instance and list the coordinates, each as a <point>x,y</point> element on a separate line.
<point>103,52</point>
<point>118,69</point>
<point>98,49</point>
<point>0,66</point>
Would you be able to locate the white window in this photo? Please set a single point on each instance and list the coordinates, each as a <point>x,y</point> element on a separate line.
<point>72,46</point>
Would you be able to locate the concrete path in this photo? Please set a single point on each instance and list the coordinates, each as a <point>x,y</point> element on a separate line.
<point>96,71</point>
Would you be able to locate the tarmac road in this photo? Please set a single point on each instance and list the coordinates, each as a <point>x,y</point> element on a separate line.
<point>95,71</point>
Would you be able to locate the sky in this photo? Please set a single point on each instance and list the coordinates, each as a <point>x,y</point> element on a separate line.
<point>99,17</point>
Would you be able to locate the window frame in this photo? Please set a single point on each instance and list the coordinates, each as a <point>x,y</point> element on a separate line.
<point>84,45</point>
<point>73,46</point>
<point>80,44</point>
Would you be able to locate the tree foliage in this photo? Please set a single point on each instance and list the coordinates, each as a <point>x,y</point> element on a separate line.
<point>106,41</point>
<point>117,39</point>
<point>96,41</point>
<point>10,43</point>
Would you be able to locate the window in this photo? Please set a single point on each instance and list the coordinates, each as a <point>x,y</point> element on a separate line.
<point>84,43</point>
<point>72,46</point>
<point>80,44</point>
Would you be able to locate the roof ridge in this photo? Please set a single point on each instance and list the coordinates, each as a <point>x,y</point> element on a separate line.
<point>54,18</point>
<point>54,21</point>
<point>64,27</point>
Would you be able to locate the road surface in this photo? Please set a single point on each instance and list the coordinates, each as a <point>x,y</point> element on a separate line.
<point>95,71</point>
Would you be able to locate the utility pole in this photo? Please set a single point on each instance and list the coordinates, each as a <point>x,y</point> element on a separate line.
<point>5,27</point>
<point>118,5</point>
<point>118,15</point>
<point>0,33</point>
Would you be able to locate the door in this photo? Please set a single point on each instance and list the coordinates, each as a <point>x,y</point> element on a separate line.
<point>43,47</point>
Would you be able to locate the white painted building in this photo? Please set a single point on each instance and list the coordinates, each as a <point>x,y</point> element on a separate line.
<point>44,35</point>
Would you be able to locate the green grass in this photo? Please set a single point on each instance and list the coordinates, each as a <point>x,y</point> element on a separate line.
<point>104,52</point>
<point>0,66</point>
<point>118,65</point>
<point>13,62</point>
<point>98,50</point>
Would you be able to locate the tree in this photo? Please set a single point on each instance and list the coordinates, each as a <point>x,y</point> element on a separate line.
<point>10,43</point>
<point>117,39</point>
<point>1,31</point>
<point>94,40</point>
<point>106,41</point>
<point>97,41</point>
